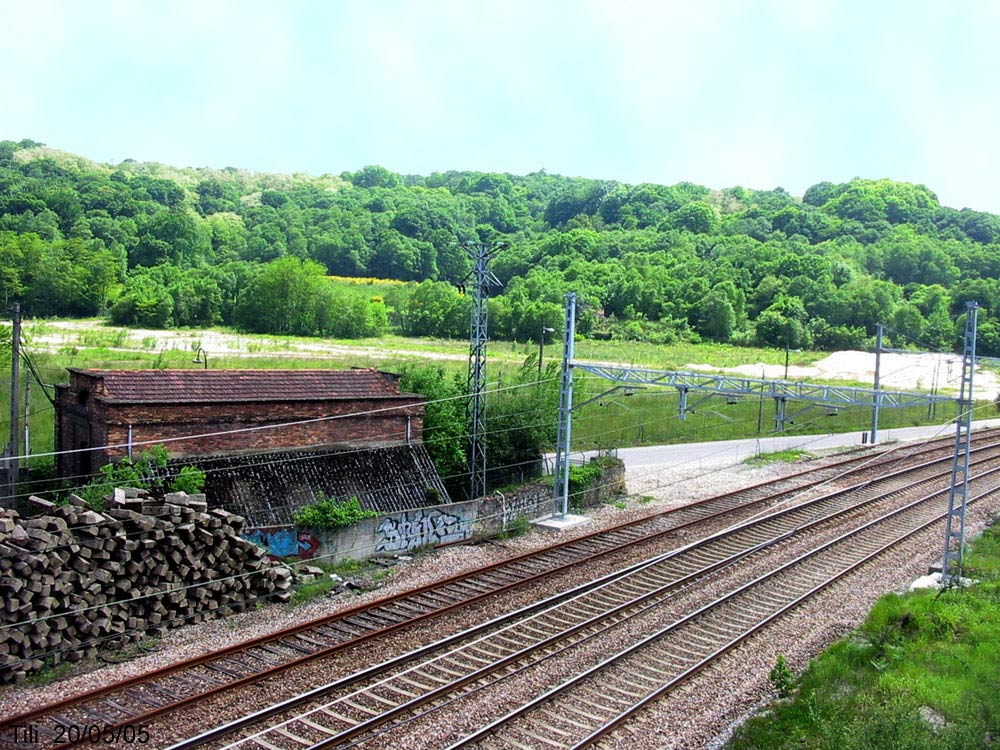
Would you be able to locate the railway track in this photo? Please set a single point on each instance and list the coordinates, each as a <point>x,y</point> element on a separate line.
<point>369,706</point>
<point>185,683</point>
<point>588,708</point>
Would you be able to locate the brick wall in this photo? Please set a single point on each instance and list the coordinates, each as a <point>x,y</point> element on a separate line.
<point>96,423</point>
<point>151,422</point>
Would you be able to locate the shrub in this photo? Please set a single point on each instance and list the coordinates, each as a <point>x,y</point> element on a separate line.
<point>190,479</point>
<point>518,527</point>
<point>330,513</point>
<point>137,472</point>
<point>126,473</point>
<point>782,677</point>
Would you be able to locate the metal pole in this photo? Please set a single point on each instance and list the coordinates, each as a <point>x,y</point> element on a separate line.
<point>876,397</point>
<point>780,411</point>
<point>541,345</point>
<point>15,409</point>
<point>954,535</point>
<point>760,407</point>
<point>786,361</point>
<point>560,477</point>
<point>27,411</point>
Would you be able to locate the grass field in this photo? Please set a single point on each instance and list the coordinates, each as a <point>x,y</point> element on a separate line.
<point>76,337</point>
<point>647,418</point>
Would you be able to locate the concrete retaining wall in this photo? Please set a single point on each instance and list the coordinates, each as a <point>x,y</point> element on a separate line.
<point>451,523</point>
<point>394,533</point>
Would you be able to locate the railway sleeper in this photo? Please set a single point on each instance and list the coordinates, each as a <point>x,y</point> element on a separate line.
<point>293,737</point>
<point>538,735</point>
<point>372,695</point>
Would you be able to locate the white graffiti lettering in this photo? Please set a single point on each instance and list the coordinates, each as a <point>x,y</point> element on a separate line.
<point>419,527</point>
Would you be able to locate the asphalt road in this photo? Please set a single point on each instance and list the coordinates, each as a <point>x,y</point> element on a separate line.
<point>729,452</point>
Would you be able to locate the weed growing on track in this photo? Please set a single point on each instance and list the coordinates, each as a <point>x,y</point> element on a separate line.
<point>790,455</point>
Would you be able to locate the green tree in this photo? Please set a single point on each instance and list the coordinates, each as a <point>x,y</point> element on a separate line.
<point>72,277</point>
<point>143,302</point>
<point>695,217</point>
<point>714,316</point>
<point>445,429</point>
<point>435,309</point>
<point>783,324</point>
<point>282,298</point>
<point>374,176</point>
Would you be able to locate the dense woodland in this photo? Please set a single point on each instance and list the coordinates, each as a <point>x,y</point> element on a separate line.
<point>153,245</point>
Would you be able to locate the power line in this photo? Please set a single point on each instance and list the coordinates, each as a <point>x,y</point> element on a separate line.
<point>177,463</point>
<point>277,425</point>
<point>245,602</point>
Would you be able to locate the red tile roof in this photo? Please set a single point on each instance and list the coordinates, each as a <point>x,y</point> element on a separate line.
<point>199,386</point>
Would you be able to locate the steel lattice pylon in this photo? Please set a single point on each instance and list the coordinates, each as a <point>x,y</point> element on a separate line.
<point>481,279</point>
<point>954,535</point>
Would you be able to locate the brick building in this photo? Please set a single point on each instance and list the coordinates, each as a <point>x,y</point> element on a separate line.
<point>100,412</point>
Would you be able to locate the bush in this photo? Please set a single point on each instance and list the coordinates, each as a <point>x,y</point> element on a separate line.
<point>137,472</point>
<point>782,677</point>
<point>330,513</point>
<point>190,479</point>
<point>125,473</point>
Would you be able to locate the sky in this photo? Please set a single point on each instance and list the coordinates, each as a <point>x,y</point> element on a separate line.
<point>760,94</point>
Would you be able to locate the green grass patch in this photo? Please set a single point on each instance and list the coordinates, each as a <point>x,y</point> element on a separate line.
<point>921,673</point>
<point>49,673</point>
<point>650,417</point>
<point>104,337</point>
<point>314,590</point>
<point>346,567</point>
<point>789,455</point>
<point>518,527</point>
<point>676,356</point>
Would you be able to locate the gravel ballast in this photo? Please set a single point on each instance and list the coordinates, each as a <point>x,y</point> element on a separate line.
<point>696,715</point>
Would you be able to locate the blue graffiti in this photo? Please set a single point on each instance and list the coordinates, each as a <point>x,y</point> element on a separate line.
<point>283,542</point>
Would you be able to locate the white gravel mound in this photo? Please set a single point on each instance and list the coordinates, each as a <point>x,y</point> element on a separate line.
<point>905,372</point>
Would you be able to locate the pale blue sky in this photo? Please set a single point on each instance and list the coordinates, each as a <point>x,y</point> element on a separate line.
<point>761,94</point>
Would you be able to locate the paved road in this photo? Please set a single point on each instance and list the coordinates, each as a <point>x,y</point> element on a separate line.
<point>729,452</point>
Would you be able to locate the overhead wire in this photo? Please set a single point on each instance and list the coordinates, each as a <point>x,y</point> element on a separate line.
<point>295,458</point>
<point>182,618</point>
<point>186,617</point>
<point>176,464</point>
<point>275,425</point>
<point>302,453</point>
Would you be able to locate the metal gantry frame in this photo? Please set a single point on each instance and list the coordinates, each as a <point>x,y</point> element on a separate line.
<point>831,397</point>
<point>958,492</point>
<point>481,279</point>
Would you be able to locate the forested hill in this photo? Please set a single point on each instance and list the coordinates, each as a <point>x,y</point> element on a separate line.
<point>156,245</point>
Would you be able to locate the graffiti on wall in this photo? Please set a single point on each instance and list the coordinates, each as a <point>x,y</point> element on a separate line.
<point>416,528</point>
<point>285,541</point>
